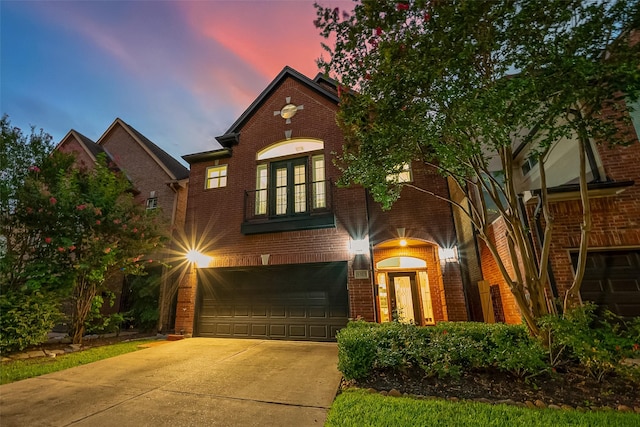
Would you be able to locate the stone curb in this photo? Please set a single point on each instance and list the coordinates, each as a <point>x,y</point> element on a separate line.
<point>538,404</point>
<point>70,348</point>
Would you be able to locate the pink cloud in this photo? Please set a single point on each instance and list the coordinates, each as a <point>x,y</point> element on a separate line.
<point>264,35</point>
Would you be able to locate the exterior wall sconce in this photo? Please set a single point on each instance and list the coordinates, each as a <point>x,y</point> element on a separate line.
<point>359,247</point>
<point>401,235</point>
<point>265,259</point>
<point>199,259</point>
<point>448,255</point>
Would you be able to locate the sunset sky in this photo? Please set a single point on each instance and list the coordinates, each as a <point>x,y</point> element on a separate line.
<point>180,72</point>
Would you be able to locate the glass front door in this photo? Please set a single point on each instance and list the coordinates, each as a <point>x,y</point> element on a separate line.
<point>405,297</point>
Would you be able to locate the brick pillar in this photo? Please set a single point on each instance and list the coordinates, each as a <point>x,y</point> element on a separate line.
<point>185,308</point>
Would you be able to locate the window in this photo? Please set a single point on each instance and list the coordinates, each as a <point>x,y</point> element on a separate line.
<point>403,175</point>
<point>152,202</point>
<point>528,164</point>
<point>286,188</point>
<point>319,187</point>
<point>216,177</point>
<point>261,190</point>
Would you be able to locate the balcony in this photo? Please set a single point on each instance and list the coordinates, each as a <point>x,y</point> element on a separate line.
<point>297,207</point>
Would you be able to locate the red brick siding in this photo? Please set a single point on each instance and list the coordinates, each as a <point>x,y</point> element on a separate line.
<point>492,273</point>
<point>143,171</point>
<point>427,218</point>
<point>72,146</point>
<point>215,215</point>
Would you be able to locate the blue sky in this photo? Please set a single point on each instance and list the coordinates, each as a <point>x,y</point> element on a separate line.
<point>180,72</point>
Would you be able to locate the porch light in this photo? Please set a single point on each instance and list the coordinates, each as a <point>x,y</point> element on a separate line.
<point>403,242</point>
<point>448,255</point>
<point>199,259</point>
<point>359,247</point>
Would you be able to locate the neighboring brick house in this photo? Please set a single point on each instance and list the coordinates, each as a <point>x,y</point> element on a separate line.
<point>159,181</point>
<point>612,276</point>
<point>287,253</point>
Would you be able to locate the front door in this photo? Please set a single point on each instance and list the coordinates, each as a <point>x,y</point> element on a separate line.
<point>405,297</point>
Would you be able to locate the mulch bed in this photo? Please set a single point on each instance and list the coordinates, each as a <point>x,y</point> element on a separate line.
<point>568,388</point>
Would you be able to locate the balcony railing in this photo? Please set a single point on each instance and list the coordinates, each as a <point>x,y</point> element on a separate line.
<point>308,205</point>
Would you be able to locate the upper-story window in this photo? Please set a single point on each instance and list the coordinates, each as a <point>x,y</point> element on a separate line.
<point>290,186</point>
<point>216,177</point>
<point>403,175</point>
<point>292,191</point>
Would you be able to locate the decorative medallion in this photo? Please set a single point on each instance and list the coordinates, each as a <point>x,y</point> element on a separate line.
<point>288,111</point>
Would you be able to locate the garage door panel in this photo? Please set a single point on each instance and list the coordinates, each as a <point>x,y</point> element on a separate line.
<point>306,301</point>
<point>222,329</point>
<point>298,311</point>
<point>622,285</point>
<point>298,331</point>
<point>278,330</point>
<point>259,311</point>
<point>339,312</point>
<point>612,280</point>
<point>317,312</point>
<point>279,311</point>
<point>319,332</point>
<point>259,329</point>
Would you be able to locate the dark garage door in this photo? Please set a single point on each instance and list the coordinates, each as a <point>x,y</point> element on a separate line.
<point>612,279</point>
<point>294,302</point>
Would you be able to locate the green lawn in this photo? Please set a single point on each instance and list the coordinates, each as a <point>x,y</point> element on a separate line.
<point>23,369</point>
<point>360,408</point>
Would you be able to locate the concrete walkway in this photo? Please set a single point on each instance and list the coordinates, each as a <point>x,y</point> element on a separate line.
<point>193,382</point>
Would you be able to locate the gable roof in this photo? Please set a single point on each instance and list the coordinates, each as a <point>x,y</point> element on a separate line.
<point>231,136</point>
<point>170,165</point>
<point>91,148</point>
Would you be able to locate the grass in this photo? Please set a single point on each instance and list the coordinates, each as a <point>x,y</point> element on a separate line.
<point>22,369</point>
<point>360,408</point>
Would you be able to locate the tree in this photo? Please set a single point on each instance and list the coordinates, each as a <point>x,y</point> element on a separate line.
<point>456,84</point>
<point>30,286</point>
<point>69,231</point>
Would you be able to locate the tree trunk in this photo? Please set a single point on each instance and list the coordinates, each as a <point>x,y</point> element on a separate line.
<point>84,293</point>
<point>572,297</point>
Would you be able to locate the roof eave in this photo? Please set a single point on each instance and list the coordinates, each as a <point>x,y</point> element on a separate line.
<point>207,155</point>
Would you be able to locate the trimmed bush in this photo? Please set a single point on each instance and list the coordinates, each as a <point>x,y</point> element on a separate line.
<point>356,350</point>
<point>26,319</point>
<point>447,349</point>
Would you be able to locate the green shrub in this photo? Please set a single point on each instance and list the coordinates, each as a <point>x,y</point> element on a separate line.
<point>356,351</point>
<point>513,350</point>
<point>451,351</point>
<point>449,348</point>
<point>596,343</point>
<point>26,319</point>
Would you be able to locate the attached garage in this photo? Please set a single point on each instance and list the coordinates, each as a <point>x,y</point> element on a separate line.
<point>292,302</point>
<point>612,279</point>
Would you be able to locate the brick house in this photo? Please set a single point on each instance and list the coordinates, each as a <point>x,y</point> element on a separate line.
<point>159,181</point>
<point>612,277</point>
<point>285,253</point>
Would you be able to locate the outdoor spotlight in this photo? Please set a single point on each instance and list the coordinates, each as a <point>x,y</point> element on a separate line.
<point>199,259</point>
<point>359,247</point>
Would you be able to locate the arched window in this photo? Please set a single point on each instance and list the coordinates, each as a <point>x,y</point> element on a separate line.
<point>402,262</point>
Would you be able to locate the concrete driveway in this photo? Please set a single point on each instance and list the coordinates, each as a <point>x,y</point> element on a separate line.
<point>193,382</point>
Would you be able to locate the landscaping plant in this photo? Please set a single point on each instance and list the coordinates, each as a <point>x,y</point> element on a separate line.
<point>433,81</point>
